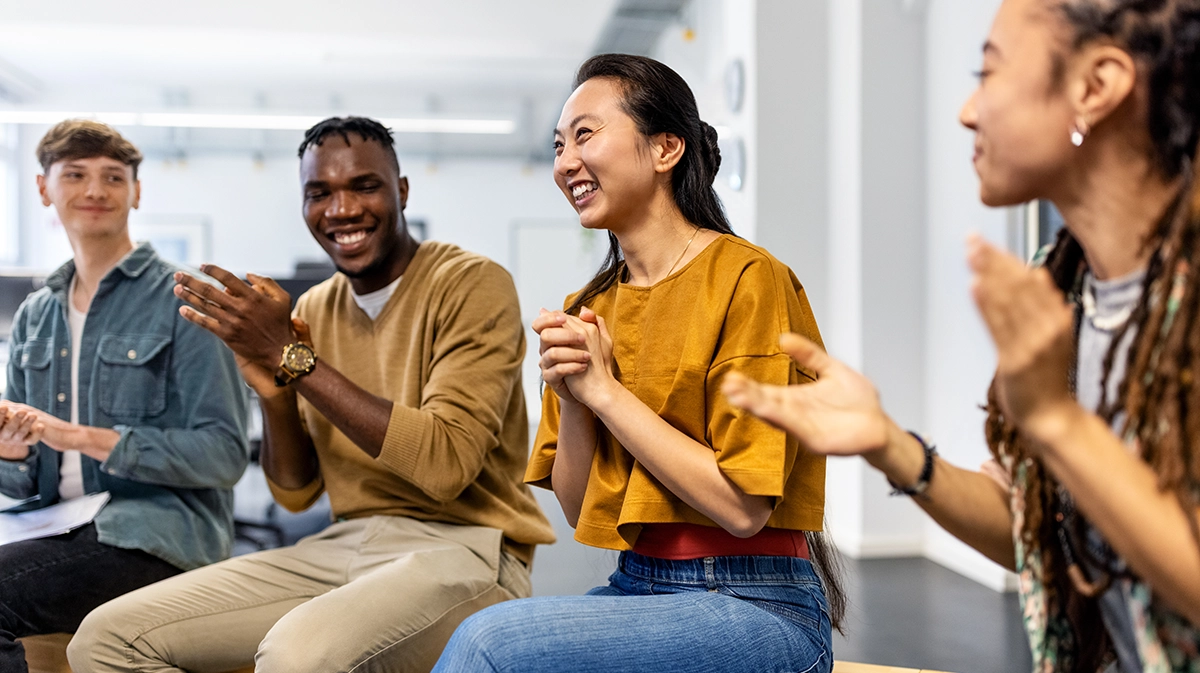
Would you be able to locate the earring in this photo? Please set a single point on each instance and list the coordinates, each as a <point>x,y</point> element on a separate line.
<point>1079,133</point>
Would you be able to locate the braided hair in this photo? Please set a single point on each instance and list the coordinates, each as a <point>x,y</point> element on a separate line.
<point>1160,392</point>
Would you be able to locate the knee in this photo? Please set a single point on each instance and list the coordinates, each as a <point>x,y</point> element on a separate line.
<point>291,647</point>
<point>484,639</point>
<point>98,643</point>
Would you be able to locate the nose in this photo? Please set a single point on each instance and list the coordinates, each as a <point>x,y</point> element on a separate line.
<point>95,188</point>
<point>968,116</point>
<point>568,163</point>
<point>343,205</point>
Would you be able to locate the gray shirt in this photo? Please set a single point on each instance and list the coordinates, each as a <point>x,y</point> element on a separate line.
<point>1107,306</point>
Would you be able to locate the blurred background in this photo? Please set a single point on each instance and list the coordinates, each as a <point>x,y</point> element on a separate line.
<point>842,155</point>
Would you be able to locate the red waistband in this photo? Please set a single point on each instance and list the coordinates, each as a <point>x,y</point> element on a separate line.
<point>683,541</point>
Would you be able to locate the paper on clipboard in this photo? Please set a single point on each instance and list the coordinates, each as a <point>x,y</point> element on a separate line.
<point>54,520</point>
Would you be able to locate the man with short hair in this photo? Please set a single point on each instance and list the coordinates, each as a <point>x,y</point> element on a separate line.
<point>110,389</point>
<point>397,390</point>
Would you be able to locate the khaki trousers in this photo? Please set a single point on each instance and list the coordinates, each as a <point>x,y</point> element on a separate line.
<point>374,594</point>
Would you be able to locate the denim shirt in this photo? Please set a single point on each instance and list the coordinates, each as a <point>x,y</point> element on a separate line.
<point>171,389</point>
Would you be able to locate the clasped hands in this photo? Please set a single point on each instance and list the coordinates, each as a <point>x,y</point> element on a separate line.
<point>252,318</point>
<point>576,356</point>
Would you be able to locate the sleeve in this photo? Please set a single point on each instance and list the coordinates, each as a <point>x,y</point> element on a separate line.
<point>545,443</point>
<point>755,455</point>
<point>299,499</point>
<point>18,478</point>
<point>209,448</point>
<point>440,447</point>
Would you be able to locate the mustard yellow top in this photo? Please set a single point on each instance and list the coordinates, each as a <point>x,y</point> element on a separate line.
<point>673,343</point>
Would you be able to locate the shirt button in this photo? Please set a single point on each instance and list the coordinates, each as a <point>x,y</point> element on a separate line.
<point>23,468</point>
<point>62,353</point>
<point>25,359</point>
<point>132,355</point>
<point>112,470</point>
<point>62,397</point>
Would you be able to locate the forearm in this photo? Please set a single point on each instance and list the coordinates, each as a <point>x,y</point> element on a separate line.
<point>92,442</point>
<point>969,505</point>
<point>287,454</point>
<point>361,416</point>
<point>1118,493</point>
<point>573,457</point>
<point>685,467</point>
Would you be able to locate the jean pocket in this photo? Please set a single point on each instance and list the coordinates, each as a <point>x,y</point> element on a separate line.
<point>801,604</point>
<point>133,375</point>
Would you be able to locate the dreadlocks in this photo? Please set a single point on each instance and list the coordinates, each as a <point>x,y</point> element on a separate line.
<point>363,127</point>
<point>1160,393</point>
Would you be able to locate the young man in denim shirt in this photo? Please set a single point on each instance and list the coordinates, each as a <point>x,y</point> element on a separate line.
<point>109,389</point>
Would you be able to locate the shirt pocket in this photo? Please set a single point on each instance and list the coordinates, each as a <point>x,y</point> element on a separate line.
<point>33,359</point>
<point>133,375</point>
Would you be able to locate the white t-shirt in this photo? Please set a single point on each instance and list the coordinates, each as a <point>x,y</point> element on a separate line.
<point>372,303</point>
<point>70,472</point>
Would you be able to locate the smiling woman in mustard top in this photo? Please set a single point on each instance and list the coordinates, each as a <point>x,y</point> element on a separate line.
<point>716,513</point>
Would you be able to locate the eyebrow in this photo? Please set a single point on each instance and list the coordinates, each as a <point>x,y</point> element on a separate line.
<point>575,121</point>
<point>990,47</point>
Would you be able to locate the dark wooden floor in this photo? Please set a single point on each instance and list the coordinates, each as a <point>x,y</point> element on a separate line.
<point>914,613</point>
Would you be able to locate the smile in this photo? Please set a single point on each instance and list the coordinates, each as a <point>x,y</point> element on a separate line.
<point>350,237</point>
<point>584,188</point>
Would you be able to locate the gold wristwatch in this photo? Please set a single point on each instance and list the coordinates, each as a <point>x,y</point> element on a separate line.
<point>298,360</point>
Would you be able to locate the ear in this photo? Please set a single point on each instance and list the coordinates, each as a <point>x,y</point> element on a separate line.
<point>1103,80</point>
<point>41,183</point>
<point>137,193</point>
<point>666,151</point>
<point>402,185</point>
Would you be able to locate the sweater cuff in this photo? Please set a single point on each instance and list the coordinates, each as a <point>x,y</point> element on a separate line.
<point>299,499</point>
<point>406,436</point>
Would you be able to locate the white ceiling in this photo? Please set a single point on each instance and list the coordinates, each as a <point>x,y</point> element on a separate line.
<point>435,45</point>
<point>483,58</point>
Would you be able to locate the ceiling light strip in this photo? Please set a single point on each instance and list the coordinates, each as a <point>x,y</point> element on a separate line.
<point>255,121</point>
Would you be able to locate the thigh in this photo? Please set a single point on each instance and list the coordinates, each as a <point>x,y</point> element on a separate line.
<point>691,632</point>
<point>49,585</point>
<point>209,619</point>
<point>397,617</point>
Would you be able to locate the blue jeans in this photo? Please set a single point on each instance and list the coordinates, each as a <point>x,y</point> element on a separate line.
<point>758,614</point>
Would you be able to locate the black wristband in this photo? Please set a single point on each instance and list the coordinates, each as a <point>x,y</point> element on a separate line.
<point>922,484</point>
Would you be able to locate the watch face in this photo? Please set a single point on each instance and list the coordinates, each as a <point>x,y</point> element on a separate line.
<point>298,358</point>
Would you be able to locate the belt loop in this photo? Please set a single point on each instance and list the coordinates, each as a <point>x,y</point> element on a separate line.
<point>710,575</point>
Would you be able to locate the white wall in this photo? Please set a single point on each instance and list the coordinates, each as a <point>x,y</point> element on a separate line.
<point>959,354</point>
<point>254,208</point>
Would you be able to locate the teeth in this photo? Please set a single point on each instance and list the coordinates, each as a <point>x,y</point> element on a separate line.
<point>349,238</point>
<point>581,189</point>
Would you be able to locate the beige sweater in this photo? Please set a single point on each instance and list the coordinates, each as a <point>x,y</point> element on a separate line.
<point>447,350</point>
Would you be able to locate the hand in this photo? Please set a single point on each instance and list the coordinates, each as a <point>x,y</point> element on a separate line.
<point>838,414</point>
<point>588,385</point>
<point>1033,329</point>
<point>20,428</point>
<point>253,320</point>
<point>562,352</point>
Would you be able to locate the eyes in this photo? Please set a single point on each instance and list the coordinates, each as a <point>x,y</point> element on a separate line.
<point>369,187</point>
<point>112,178</point>
<point>581,135</point>
<point>982,74</point>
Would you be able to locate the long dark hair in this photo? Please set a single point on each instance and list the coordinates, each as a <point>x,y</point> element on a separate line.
<point>659,101</point>
<point>1157,395</point>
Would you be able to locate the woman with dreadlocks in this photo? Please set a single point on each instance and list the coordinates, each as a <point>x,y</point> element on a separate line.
<point>1094,413</point>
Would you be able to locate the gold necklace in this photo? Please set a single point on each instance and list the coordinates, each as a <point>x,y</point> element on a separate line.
<point>685,249</point>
